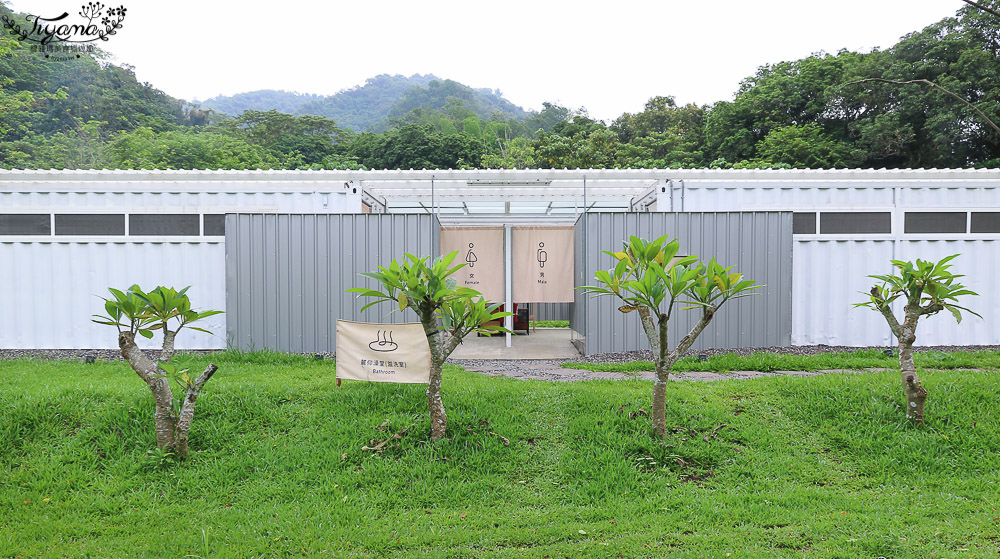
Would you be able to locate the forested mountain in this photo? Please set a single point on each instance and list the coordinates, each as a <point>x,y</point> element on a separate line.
<point>444,95</point>
<point>383,102</point>
<point>58,112</point>
<point>363,107</point>
<point>931,100</point>
<point>260,100</point>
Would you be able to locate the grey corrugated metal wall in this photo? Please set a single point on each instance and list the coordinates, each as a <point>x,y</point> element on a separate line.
<point>286,274</point>
<point>757,244</point>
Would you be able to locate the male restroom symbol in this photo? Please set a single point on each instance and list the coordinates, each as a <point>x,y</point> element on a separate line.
<point>542,255</point>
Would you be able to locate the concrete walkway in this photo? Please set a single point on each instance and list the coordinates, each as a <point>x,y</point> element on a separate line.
<point>543,343</point>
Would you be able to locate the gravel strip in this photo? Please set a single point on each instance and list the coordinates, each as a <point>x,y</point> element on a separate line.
<point>83,354</point>
<point>646,355</point>
<point>542,369</point>
<point>551,369</point>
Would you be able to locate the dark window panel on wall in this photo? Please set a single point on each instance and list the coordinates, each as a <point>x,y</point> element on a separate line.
<point>25,224</point>
<point>985,222</point>
<point>934,222</point>
<point>163,224</point>
<point>833,223</point>
<point>215,225</point>
<point>90,224</point>
<point>804,223</point>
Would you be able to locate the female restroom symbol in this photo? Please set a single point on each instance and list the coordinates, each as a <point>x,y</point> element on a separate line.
<point>471,256</point>
<point>542,255</point>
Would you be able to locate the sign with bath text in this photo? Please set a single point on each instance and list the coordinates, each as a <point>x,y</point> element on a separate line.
<point>382,352</point>
<point>543,264</point>
<point>481,249</point>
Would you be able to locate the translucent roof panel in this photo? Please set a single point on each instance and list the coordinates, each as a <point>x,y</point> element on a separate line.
<point>510,196</point>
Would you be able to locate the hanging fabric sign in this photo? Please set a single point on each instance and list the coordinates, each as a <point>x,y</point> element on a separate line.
<point>543,264</point>
<point>481,249</point>
<point>382,352</point>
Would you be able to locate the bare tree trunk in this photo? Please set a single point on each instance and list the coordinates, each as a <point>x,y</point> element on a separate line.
<point>916,394</point>
<point>164,420</point>
<point>663,364</point>
<point>649,326</point>
<point>665,361</point>
<point>439,418</point>
<point>906,335</point>
<point>659,411</point>
<point>168,345</point>
<point>171,430</point>
<point>187,411</point>
<point>656,334</point>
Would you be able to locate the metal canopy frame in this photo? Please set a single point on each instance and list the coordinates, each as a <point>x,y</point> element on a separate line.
<point>475,199</point>
<point>510,198</point>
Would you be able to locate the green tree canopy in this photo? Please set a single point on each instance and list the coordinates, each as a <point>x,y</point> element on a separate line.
<point>806,147</point>
<point>145,149</point>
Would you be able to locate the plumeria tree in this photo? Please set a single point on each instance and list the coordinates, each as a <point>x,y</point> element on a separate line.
<point>138,312</point>
<point>447,312</point>
<point>650,278</point>
<point>926,288</point>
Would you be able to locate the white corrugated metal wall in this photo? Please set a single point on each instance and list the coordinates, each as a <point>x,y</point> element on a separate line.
<point>50,284</point>
<point>829,270</point>
<point>49,290</point>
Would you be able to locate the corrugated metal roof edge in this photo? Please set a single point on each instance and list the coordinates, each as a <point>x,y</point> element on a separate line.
<point>500,174</point>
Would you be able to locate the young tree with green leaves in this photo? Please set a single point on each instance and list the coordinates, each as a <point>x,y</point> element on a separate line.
<point>650,278</point>
<point>926,288</point>
<point>448,314</point>
<point>137,312</point>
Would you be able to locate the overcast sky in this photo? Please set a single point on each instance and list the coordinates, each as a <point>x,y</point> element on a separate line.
<point>609,57</point>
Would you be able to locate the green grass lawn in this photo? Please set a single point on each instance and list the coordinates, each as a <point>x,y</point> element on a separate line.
<point>778,467</point>
<point>763,361</point>
<point>551,323</point>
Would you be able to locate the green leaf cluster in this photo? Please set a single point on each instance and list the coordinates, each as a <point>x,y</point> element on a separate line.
<point>653,275</point>
<point>433,294</point>
<point>923,284</point>
<point>141,312</point>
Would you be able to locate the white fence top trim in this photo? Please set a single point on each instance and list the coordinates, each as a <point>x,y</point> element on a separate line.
<point>228,175</point>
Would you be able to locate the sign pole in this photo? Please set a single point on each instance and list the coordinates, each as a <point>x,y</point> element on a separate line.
<point>508,321</point>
